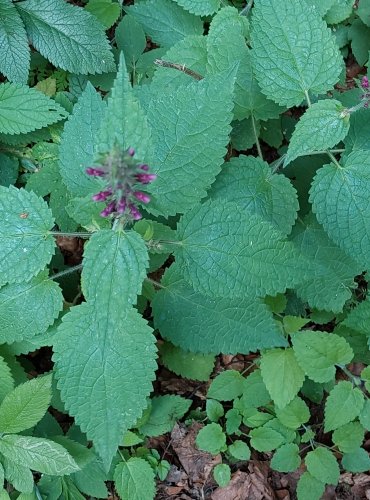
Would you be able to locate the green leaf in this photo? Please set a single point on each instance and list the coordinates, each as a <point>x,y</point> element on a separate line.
<point>117,130</point>
<point>363,12</point>
<point>105,395</point>
<point>211,438</point>
<point>130,439</point>
<point>200,7</point>
<point>26,246</point>
<point>134,479</point>
<point>222,474</point>
<point>249,182</point>
<point>25,405</point>
<point>15,53</point>
<point>130,39</point>
<point>357,461</point>
<point>82,46</point>
<point>358,318</point>
<point>265,439</point>
<point>115,278</point>
<point>239,450</point>
<point>7,381</point>
<point>23,109</point>
<point>186,164</point>
<point>322,464</point>
<point>344,216</point>
<point>318,353</point>
<point>189,365</point>
<point>282,375</point>
<point>293,51</point>
<point>364,416</point>
<point>9,167</point>
<point>214,410</point>
<point>349,437</point>
<point>226,386</point>
<point>365,375</point>
<point>359,34</point>
<point>255,261</point>
<point>105,11</point>
<point>252,417</point>
<point>198,323</point>
<point>233,421</point>
<point>40,299</point>
<point>286,458</point>
<point>309,488</point>
<point>332,278</point>
<point>20,477</point>
<point>165,411</point>
<point>165,22</point>
<point>322,6</point>
<point>359,132</point>
<point>340,11</point>
<point>321,127</point>
<point>293,324</point>
<point>255,393</point>
<point>38,454</point>
<point>294,414</point>
<point>91,480</point>
<point>343,405</point>
<point>77,142</point>
<point>86,213</point>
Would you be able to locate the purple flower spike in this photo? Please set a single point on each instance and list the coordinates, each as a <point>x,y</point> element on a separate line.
<point>102,196</point>
<point>135,214</point>
<point>146,178</point>
<point>144,167</point>
<point>121,206</point>
<point>143,197</point>
<point>108,210</point>
<point>96,172</point>
<point>131,151</point>
<point>365,82</point>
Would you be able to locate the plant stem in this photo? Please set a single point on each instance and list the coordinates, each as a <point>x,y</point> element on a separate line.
<point>247,8</point>
<point>179,67</point>
<point>155,283</point>
<point>70,235</point>
<point>307,98</point>
<point>256,136</point>
<point>333,159</point>
<point>70,270</point>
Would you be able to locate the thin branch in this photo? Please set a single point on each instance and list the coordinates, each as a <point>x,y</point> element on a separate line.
<point>256,136</point>
<point>70,235</point>
<point>70,270</point>
<point>247,8</point>
<point>179,67</point>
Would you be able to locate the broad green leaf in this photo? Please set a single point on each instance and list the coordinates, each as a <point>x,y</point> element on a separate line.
<point>189,365</point>
<point>249,182</point>
<point>14,52</point>
<point>364,416</point>
<point>38,454</point>
<point>103,393</point>
<point>91,480</point>
<point>25,405</point>
<point>349,437</point>
<point>200,7</point>
<point>226,45</point>
<point>309,488</point>
<point>77,142</point>
<point>293,324</point>
<point>190,130</point>
<point>6,377</point>
<point>4,495</point>
<point>164,412</point>
<point>86,213</point>
<point>357,461</point>
<point>226,386</point>
<point>9,167</point>
<point>105,11</point>
<point>124,124</point>
<point>343,215</point>
<point>239,450</point>
<point>242,134</point>
<point>294,414</point>
<point>233,421</point>
<point>358,136</point>
<point>265,439</point>
<point>363,12</point>
<point>68,36</point>
<point>26,246</point>
<point>28,309</point>
<point>198,323</point>
<point>318,353</point>
<point>288,434</point>
<point>359,34</point>
<point>358,319</point>
<point>211,438</point>
<point>20,477</point>
<point>23,109</point>
<point>331,281</point>
<point>321,127</point>
<point>214,410</point>
<point>253,417</point>
<point>246,256</point>
<point>343,405</point>
<point>255,393</point>
<point>114,278</point>
<point>286,458</point>
<point>80,454</point>
<point>165,22</point>
<point>131,439</point>
<point>339,11</point>
<point>130,38</point>
<point>134,480</point>
<point>365,375</point>
<point>294,52</point>
<point>322,6</point>
<point>322,464</point>
<point>282,375</point>
<point>222,474</point>
<point>191,52</point>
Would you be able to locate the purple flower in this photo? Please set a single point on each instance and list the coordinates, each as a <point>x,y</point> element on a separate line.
<point>136,215</point>
<point>139,195</point>
<point>365,82</point>
<point>131,151</point>
<point>102,195</point>
<point>145,178</point>
<point>96,172</point>
<point>108,210</point>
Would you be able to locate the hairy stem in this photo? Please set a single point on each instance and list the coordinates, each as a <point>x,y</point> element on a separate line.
<point>70,235</point>
<point>70,270</point>
<point>247,8</point>
<point>179,67</point>
<point>257,139</point>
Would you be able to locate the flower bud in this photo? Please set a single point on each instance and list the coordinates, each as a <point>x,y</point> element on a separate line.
<point>143,197</point>
<point>131,152</point>
<point>97,172</point>
<point>145,178</point>
<point>136,215</point>
<point>365,82</point>
<point>102,195</point>
<point>108,210</point>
